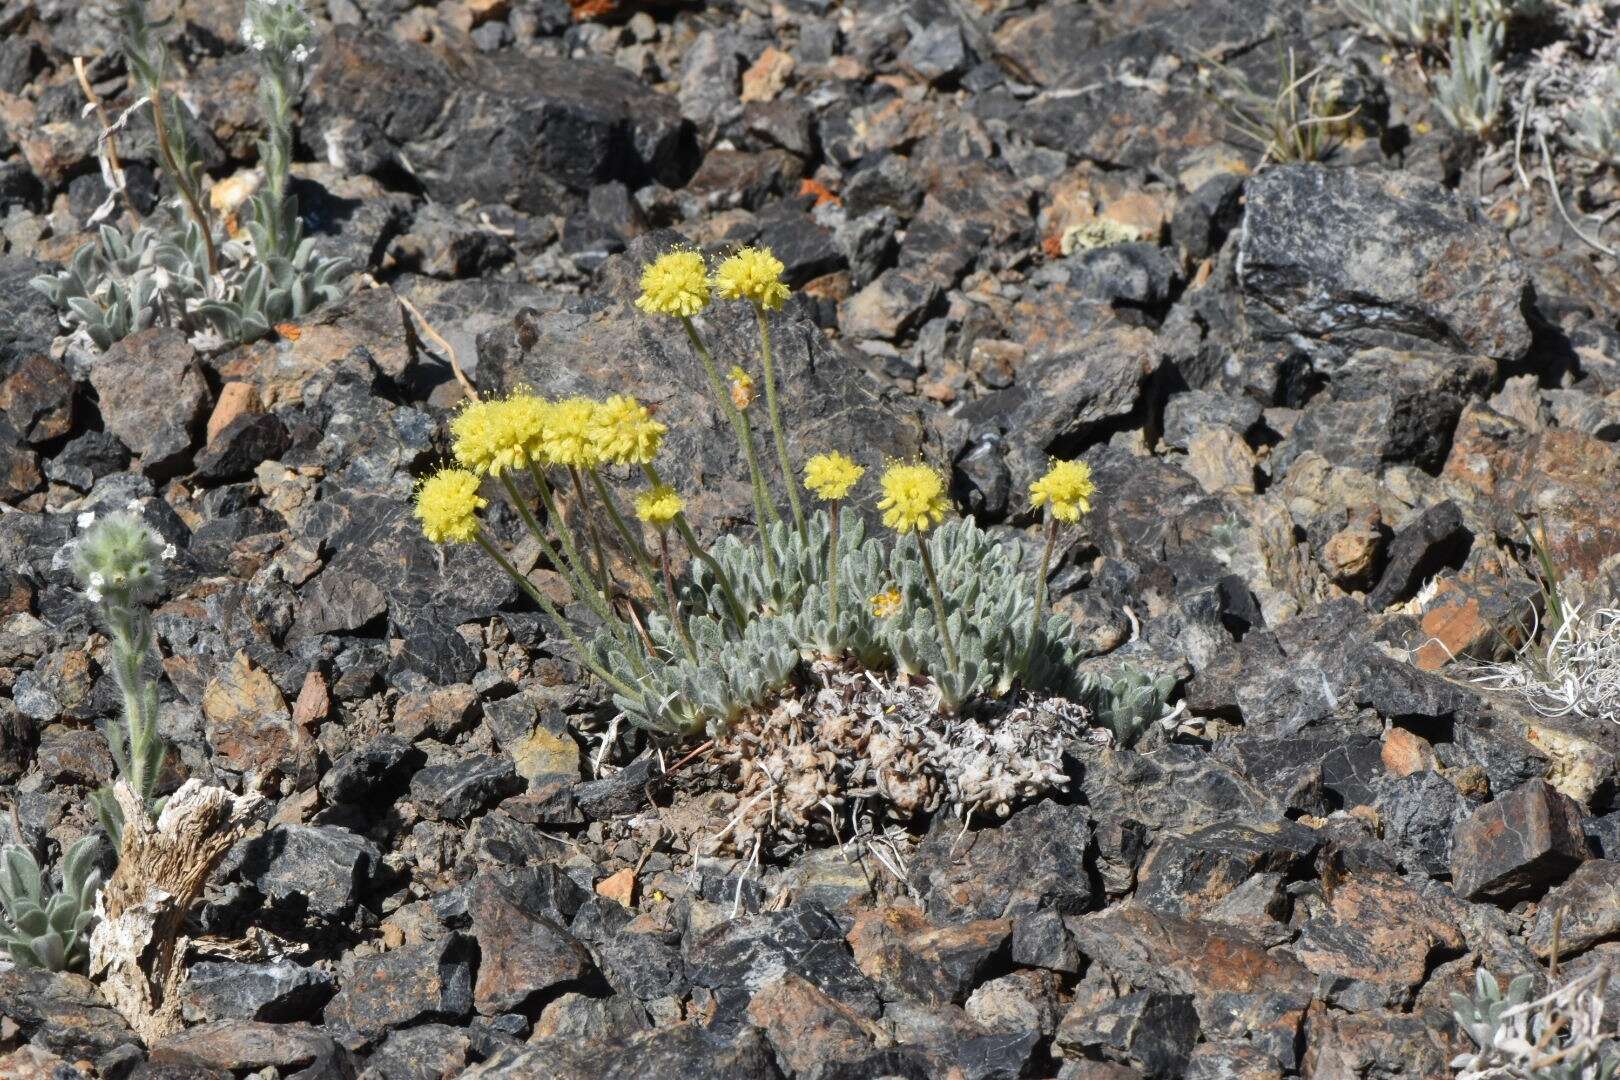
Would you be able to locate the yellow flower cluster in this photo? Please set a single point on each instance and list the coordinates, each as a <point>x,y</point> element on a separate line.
<point>913,497</point>
<point>676,283</point>
<point>831,476</point>
<point>447,505</point>
<point>1067,486</point>
<point>659,506</point>
<point>624,432</point>
<point>753,274</point>
<point>886,603</point>
<point>492,437</point>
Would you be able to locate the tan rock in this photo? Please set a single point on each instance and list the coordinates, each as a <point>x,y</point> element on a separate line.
<point>1221,462</point>
<point>1405,753</point>
<point>235,399</point>
<point>619,887</point>
<point>768,76</point>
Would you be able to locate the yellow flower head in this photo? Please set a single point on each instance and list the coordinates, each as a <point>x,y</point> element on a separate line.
<point>886,603</point>
<point>831,476</point>
<point>658,506</point>
<point>742,388</point>
<point>624,432</point>
<point>568,437</point>
<point>490,437</point>
<point>676,283</point>
<point>752,274</point>
<point>913,497</point>
<point>1067,486</point>
<point>447,505</point>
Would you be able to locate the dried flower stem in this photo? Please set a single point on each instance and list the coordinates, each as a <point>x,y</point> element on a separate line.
<point>603,571</point>
<point>767,360</point>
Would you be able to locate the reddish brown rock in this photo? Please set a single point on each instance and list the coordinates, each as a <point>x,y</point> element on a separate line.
<point>522,953</point>
<point>249,726</point>
<point>806,1027</point>
<point>248,1045</point>
<point>37,398</point>
<point>1514,848</point>
<point>912,960</point>
<point>1405,753</point>
<point>153,396</point>
<point>1385,1044</point>
<point>1570,481</point>
<point>1375,936</point>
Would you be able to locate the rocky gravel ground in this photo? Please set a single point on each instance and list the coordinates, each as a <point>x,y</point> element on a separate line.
<point>1317,400</point>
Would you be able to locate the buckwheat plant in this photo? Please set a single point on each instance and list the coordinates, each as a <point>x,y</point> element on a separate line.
<point>179,270</point>
<point>749,643</point>
<point>118,561</point>
<point>1558,1036</point>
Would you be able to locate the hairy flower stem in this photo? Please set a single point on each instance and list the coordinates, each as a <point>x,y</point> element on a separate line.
<point>604,572</point>
<point>638,551</point>
<point>556,616</point>
<point>768,362</point>
<point>548,499</point>
<point>938,596</point>
<point>578,581</point>
<point>697,551</point>
<point>832,564</point>
<point>675,616</point>
<point>137,749</point>
<point>1040,585</point>
<point>764,510</point>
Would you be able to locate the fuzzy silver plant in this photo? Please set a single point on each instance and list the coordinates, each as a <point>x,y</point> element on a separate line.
<point>119,563</point>
<point>884,621</point>
<point>1402,22</point>
<point>174,271</point>
<point>1470,93</point>
<point>1517,1036</point>
<point>43,929</point>
<point>1594,124</point>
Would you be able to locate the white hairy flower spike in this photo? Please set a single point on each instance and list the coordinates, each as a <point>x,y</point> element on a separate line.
<point>87,519</point>
<point>169,552</point>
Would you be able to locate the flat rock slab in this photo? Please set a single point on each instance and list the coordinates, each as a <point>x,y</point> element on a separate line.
<point>1342,259</point>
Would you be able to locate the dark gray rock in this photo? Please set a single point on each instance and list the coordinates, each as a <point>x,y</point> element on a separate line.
<point>249,1045</point>
<point>1189,874</point>
<point>154,398</point>
<point>936,52</point>
<point>1436,540</point>
<point>1515,847</point>
<point>688,1050</point>
<point>1033,860</point>
<point>868,243</point>
<point>735,958</point>
<point>1151,1031</point>
<point>1128,276</point>
<point>457,791</point>
<point>1188,414</point>
<point>28,321</point>
<point>87,458</point>
<point>428,1052</point>
<point>1204,218</point>
<point>642,962</point>
<point>279,992</point>
<point>37,399</point>
<point>336,603</point>
<point>1419,813</point>
<point>308,872</point>
<point>523,952</point>
<point>412,984</point>
<point>1341,259</point>
<point>62,1013</point>
<point>1586,910</point>
<point>534,132</point>
<point>241,445</point>
<point>372,773</point>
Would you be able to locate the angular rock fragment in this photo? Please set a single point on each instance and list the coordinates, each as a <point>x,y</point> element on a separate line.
<point>1515,847</point>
